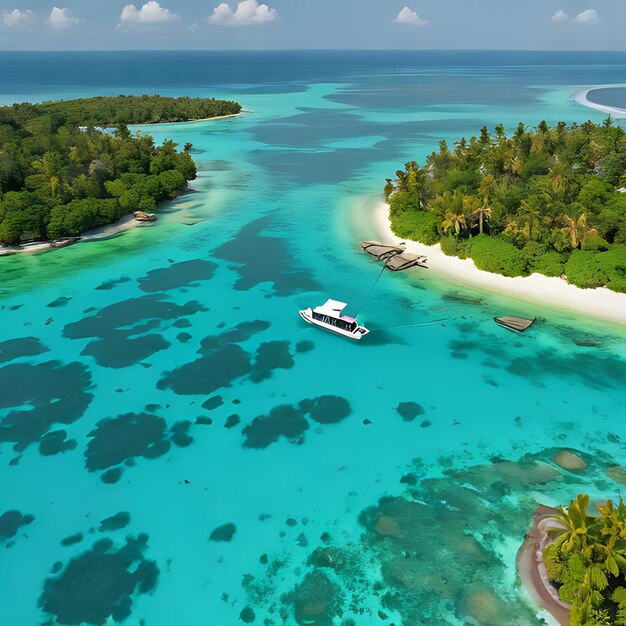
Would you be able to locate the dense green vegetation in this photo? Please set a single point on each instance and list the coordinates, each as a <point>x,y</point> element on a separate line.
<point>60,176</point>
<point>587,562</point>
<point>544,200</point>
<point>114,110</point>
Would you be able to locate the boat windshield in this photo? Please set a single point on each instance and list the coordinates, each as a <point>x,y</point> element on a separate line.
<point>343,323</point>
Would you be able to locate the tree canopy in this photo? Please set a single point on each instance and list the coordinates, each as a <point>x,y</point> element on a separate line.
<point>586,561</point>
<point>544,200</point>
<point>61,176</point>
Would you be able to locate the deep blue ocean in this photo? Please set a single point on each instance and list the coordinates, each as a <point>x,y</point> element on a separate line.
<point>178,448</point>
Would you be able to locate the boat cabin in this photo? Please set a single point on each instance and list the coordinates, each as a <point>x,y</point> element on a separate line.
<point>330,313</point>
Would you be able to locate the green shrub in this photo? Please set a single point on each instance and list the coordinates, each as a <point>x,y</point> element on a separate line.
<point>585,269</point>
<point>493,254</point>
<point>595,242</point>
<point>403,201</point>
<point>449,246</point>
<point>532,251</point>
<point>417,226</point>
<point>452,247</point>
<point>613,263</point>
<point>549,264</point>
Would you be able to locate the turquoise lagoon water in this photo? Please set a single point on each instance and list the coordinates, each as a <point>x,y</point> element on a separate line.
<point>182,449</point>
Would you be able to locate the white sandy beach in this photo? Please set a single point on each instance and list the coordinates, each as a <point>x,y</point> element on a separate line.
<point>201,119</point>
<point>581,98</point>
<point>602,303</point>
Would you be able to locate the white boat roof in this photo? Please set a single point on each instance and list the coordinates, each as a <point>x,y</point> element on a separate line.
<point>331,307</point>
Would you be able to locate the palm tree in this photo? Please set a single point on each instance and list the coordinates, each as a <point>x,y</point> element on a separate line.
<point>455,223</point>
<point>574,522</point>
<point>50,170</point>
<point>388,188</point>
<point>482,213</point>
<point>558,176</point>
<point>576,229</point>
<point>530,216</point>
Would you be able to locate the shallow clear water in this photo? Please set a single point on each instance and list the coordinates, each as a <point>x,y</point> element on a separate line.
<point>120,343</point>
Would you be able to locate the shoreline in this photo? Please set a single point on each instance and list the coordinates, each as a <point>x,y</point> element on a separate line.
<point>555,292</point>
<point>581,98</point>
<point>110,230</point>
<point>101,233</point>
<point>201,119</point>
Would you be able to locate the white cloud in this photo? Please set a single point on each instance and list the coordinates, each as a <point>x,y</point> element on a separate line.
<point>560,16</point>
<point>17,18</point>
<point>248,12</point>
<point>407,16</point>
<point>588,16</point>
<point>150,14</point>
<point>61,18</point>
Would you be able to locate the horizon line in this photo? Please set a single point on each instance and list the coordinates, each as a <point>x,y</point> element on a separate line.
<point>261,50</point>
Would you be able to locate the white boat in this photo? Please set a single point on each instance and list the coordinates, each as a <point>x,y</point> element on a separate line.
<point>329,317</point>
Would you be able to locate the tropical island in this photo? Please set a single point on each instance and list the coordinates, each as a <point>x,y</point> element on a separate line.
<point>63,172</point>
<point>548,200</point>
<point>573,562</point>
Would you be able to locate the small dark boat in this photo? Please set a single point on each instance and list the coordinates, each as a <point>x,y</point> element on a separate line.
<point>518,324</point>
<point>63,242</point>
<point>142,216</point>
<point>404,261</point>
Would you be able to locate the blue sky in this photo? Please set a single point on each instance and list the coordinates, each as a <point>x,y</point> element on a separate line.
<point>293,24</point>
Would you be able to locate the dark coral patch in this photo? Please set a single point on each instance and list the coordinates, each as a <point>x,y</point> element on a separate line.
<point>180,434</point>
<point>329,409</point>
<point>177,275</point>
<point>208,374</point>
<point>305,346</point>
<point>121,315</point>
<point>213,403</point>
<point>16,348</point>
<point>115,522</point>
<point>61,301</point>
<point>114,440</point>
<point>270,356</point>
<point>408,411</point>
<point>182,323</point>
<point>56,442</point>
<point>316,600</point>
<point>247,615</point>
<point>263,259</point>
<point>183,337</point>
<point>109,284</point>
<point>121,329</point>
<point>119,350</point>
<point>99,584</point>
<point>283,421</point>
<point>59,396</point>
<point>72,539</point>
<point>11,522</point>
<point>223,533</point>
<point>232,421</point>
<point>242,332</point>
<point>112,476</point>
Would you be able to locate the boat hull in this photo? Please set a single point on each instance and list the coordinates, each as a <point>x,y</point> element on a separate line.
<point>361,331</point>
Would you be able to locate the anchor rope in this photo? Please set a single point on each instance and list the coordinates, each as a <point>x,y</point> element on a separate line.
<point>369,293</point>
<point>431,323</point>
